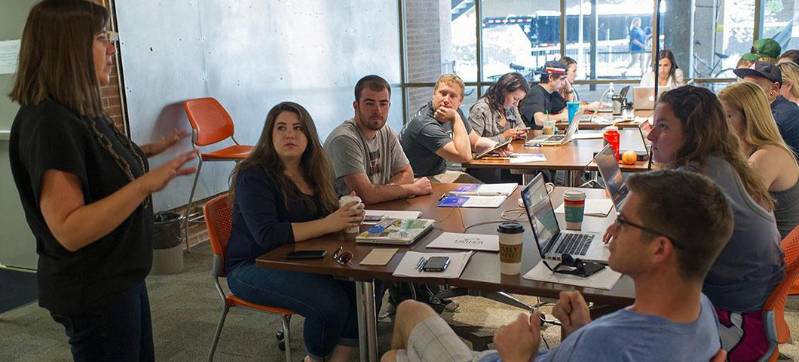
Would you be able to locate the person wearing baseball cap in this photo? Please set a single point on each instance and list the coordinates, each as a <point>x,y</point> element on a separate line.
<point>786,113</point>
<point>767,50</point>
<point>540,103</point>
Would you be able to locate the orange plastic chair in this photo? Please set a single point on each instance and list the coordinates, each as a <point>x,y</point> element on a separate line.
<point>219,219</point>
<point>777,330</point>
<point>210,123</point>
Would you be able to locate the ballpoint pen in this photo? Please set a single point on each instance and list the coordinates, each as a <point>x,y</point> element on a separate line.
<point>420,263</point>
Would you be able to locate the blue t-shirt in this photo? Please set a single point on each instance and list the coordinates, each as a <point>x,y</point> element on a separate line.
<point>786,113</point>
<point>637,33</point>
<point>629,336</point>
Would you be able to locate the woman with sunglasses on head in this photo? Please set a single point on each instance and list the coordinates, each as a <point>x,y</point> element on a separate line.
<point>496,114</point>
<point>690,132</point>
<point>749,115</point>
<point>283,194</point>
<point>84,186</point>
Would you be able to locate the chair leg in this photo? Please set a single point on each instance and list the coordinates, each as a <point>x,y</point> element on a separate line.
<point>191,201</point>
<point>218,332</point>
<point>286,320</point>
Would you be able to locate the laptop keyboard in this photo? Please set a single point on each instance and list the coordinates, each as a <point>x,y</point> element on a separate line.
<point>574,244</point>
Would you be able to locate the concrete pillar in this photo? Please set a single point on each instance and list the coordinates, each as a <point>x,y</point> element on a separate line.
<point>677,25</point>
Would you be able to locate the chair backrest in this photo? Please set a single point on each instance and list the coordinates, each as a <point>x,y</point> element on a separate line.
<point>219,220</point>
<point>775,304</point>
<point>209,120</point>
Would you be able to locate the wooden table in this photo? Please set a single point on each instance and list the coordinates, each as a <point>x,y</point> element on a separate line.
<point>617,121</point>
<point>574,157</point>
<point>482,272</point>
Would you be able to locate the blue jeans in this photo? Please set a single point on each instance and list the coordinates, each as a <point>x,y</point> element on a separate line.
<point>327,304</point>
<point>118,331</point>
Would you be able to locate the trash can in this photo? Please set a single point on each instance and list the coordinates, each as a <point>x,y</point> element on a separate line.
<point>167,243</point>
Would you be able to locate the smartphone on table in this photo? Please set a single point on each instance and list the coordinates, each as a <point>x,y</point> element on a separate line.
<point>306,254</point>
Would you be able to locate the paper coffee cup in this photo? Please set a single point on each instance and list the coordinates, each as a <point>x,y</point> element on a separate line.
<point>510,247</point>
<point>345,200</point>
<point>574,207</point>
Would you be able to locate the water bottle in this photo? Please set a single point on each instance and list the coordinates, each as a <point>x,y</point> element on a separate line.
<point>611,92</point>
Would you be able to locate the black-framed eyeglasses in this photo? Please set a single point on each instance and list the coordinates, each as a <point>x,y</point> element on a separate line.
<point>342,256</point>
<point>621,220</point>
<point>573,266</point>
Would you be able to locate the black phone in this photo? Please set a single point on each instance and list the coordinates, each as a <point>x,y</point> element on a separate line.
<point>306,254</point>
<point>436,264</point>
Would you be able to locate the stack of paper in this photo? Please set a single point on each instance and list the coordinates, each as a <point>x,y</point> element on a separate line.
<point>593,207</point>
<point>527,157</point>
<point>476,195</point>
<point>373,216</point>
<point>466,242</point>
<point>457,262</point>
<point>603,279</point>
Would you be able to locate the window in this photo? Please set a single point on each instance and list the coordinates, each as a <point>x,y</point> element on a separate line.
<point>723,31</point>
<point>601,41</point>
<point>778,23</point>
<point>518,36</point>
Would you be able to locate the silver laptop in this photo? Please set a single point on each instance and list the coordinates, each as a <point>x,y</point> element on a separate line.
<point>611,173</point>
<point>644,97</point>
<point>554,140</point>
<point>552,242</point>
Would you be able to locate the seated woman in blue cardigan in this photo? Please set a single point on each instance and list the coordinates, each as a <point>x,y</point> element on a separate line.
<point>282,194</point>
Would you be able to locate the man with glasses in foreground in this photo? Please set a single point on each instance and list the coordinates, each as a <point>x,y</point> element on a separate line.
<point>665,241</point>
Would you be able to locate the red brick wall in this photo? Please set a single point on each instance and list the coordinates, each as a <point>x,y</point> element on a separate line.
<point>112,100</point>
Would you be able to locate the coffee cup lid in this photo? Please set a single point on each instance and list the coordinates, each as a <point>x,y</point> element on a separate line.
<point>574,194</point>
<point>510,228</point>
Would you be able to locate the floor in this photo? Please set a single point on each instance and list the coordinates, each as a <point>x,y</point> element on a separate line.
<point>185,310</point>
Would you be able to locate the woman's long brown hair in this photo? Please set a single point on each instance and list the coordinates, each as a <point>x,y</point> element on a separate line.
<point>56,59</point>
<point>706,133</point>
<point>314,164</point>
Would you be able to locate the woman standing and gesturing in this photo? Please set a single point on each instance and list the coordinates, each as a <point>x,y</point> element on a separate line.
<point>84,186</point>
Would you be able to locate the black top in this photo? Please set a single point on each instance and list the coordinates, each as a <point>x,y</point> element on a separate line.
<point>50,136</point>
<point>786,113</point>
<point>262,218</point>
<point>539,100</point>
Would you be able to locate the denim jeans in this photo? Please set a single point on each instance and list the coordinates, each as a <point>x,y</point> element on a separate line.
<point>118,331</point>
<point>327,304</point>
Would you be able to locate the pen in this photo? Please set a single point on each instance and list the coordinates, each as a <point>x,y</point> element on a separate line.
<point>472,193</point>
<point>420,263</point>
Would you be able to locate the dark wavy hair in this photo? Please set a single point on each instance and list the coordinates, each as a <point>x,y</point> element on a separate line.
<point>314,164</point>
<point>507,83</point>
<point>706,133</point>
<point>667,54</point>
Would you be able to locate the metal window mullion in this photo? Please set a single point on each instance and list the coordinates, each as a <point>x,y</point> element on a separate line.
<point>758,28</point>
<point>403,61</point>
<point>478,8</point>
<point>563,28</point>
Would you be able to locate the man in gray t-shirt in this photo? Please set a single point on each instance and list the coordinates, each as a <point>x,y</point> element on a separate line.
<point>667,258</point>
<point>366,154</point>
<point>438,133</point>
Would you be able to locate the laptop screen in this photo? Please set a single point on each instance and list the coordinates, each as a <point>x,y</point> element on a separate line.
<point>539,211</point>
<point>611,173</point>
